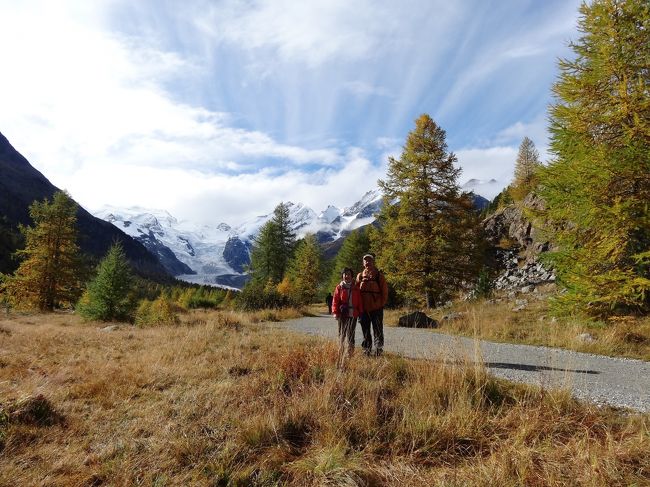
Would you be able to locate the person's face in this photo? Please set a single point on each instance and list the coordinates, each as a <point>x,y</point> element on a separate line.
<point>368,263</point>
<point>347,277</point>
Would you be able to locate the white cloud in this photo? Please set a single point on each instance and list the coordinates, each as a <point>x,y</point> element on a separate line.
<point>536,130</point>
<point>86,106</point>
<point>490,163</point>
<point>361,88</point>
<point>311,32</point>
<point>213,198</point>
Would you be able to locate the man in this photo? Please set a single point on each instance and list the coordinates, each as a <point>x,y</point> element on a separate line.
<point>374,295</point>
<point>328,302</point>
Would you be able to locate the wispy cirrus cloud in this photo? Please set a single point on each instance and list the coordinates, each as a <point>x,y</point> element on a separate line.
<point>113,121</point>
<point>268,98</point>
<point>361,88</point>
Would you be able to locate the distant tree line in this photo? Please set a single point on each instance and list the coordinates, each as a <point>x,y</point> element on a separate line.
<point>52,274</point>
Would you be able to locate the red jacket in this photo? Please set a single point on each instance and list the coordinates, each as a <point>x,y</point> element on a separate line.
<point>341,297</point>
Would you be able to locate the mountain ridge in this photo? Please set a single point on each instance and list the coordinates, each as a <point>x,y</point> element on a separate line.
<point>219,254</point>
<point>21,184</point>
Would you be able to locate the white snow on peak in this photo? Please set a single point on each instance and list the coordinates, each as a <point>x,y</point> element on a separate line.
<point>201,246</point>
<point>487,188</point>
<point>329,214</point>
<point>373,196</point>
<point>198,246</point>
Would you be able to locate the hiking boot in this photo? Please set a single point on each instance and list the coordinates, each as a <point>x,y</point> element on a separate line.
<point>379,352</point>
<point>367,351</point>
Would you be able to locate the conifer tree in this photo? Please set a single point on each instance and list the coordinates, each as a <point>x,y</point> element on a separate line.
<point>286,239</point>
<point>428,239</point>
<point>354,247</point>
<point>305,271</point>
<point>263,253</point>
<point>48,275</point>
<point>526,168</point>
<point>273,247</point>
<point>597,187</point>
<point>108,296</point>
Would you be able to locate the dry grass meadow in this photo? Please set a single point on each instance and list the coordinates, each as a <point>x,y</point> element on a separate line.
<point>221,400</point>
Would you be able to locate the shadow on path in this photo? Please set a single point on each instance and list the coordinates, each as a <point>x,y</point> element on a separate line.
<point>535,368</point>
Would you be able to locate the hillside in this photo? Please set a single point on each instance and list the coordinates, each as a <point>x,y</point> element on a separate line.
<point>21,184</point>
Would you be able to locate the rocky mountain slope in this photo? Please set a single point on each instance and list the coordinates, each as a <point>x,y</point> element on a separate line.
<point>516,247</point>
<point>21,184</point>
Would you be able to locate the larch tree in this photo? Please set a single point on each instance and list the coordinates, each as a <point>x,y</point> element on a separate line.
<point>48,275</point>
<point>428,243</point>
<point>286,239</point>
<point>597,187</point>
<point>305,271</point>
<point>108,296</point>
<point>273,247</point>
<point>263,253</point>
<point>526,167</point>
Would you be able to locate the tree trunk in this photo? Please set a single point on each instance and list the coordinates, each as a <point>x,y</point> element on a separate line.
<point>429,299</point>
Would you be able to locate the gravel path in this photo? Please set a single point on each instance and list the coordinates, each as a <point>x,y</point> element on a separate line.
<point>603,380</point>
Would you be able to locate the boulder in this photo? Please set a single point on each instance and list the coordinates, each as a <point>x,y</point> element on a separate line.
<point>417,319</point>
<point>452,316</point>
<point>586,338</point>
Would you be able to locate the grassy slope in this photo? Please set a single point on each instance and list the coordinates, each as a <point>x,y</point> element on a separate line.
<point>220,401</point>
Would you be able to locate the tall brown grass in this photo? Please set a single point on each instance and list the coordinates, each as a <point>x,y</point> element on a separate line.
<point>219,400</point>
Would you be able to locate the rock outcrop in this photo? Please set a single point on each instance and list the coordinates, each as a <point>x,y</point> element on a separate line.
<point>521,273</point>
<point>516,247</point>
<point>237,254</point>
<point>510,223</point>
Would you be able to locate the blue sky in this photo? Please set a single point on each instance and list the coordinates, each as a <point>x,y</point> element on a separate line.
<point>218,110</point>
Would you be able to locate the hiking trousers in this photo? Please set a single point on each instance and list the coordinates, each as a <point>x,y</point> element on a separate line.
<point>376,318</point>
<point>346,340</point>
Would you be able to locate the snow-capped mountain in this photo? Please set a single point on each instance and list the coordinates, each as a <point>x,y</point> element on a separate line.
<point>219,254</point>
<point>488,189</point>
<point>199,249</point>
<point>329,214</point>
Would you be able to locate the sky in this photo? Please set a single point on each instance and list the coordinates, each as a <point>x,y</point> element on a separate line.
<point>218,110</point>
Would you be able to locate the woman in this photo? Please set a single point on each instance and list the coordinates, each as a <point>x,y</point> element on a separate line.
<point>346,308</point>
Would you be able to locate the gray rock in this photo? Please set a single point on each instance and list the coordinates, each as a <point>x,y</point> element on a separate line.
<point>520,304</point>
<point>110,328</point>
<point>527,289</point>
<point>452,316</point>
<point>417,319</point>
<point>586,338</point>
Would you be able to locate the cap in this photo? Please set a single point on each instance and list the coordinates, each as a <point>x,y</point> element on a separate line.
<point>369,256</point>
